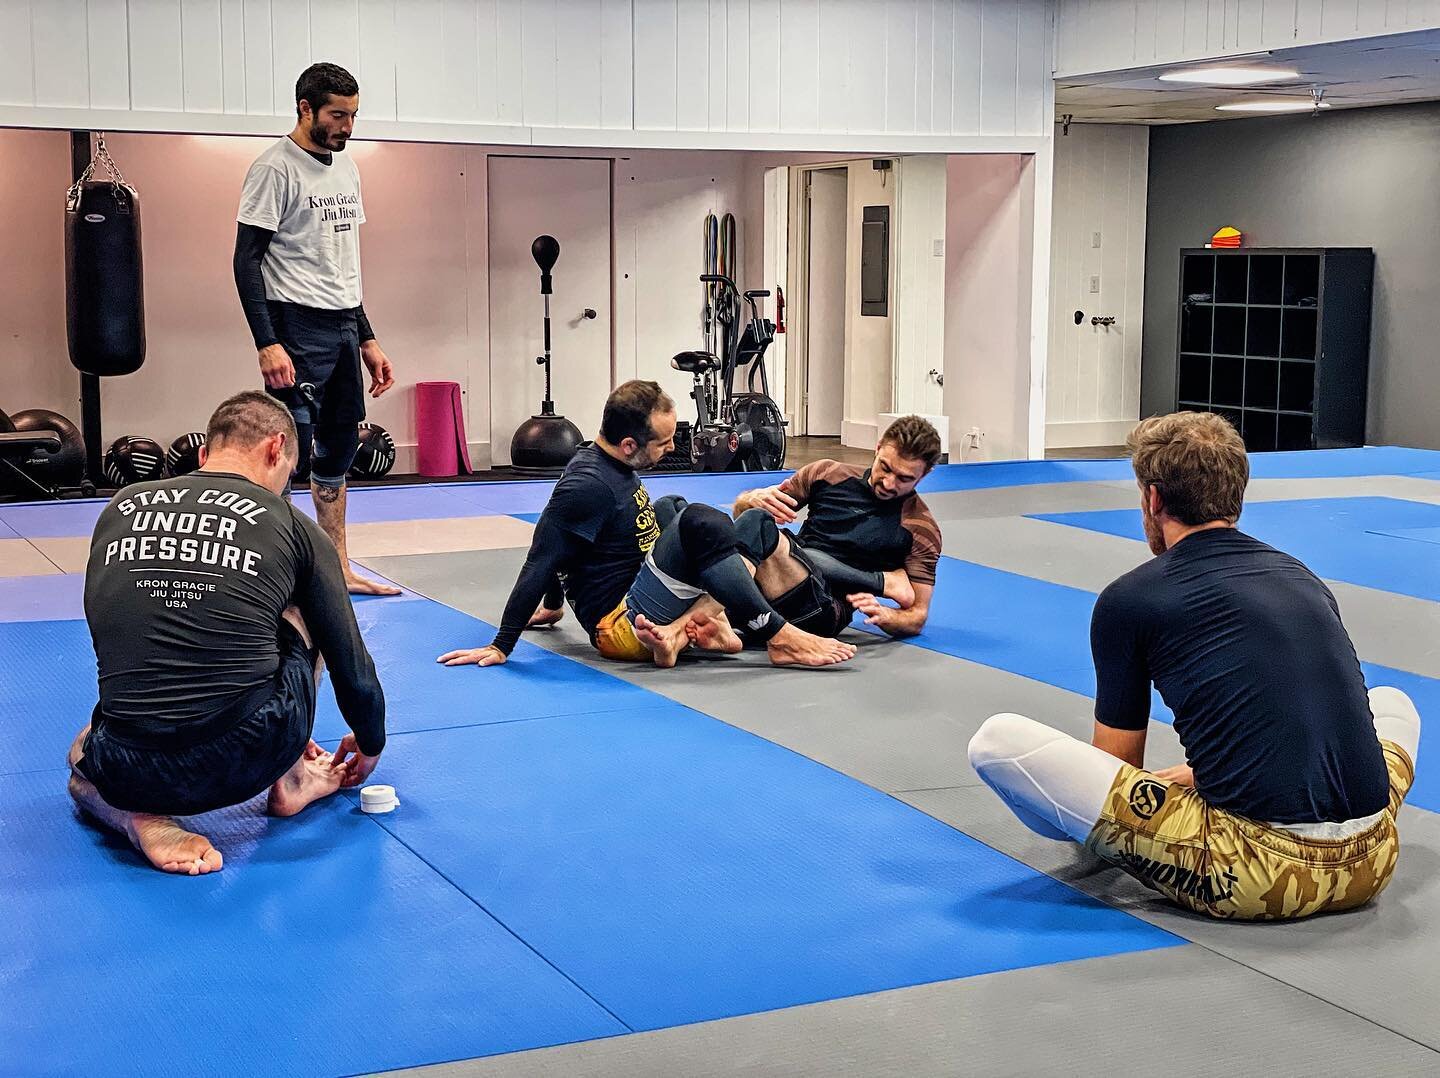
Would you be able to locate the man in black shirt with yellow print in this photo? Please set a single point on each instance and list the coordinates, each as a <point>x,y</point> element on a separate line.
<point>599,528</point>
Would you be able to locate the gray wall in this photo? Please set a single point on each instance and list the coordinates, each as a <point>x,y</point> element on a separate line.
<point>1358,178</point>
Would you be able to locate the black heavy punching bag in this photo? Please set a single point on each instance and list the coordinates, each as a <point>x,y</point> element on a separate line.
<point>104,284</point>
<point>544,443</point>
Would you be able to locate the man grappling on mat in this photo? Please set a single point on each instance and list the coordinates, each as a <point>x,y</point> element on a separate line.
<point>1295,775</point>
<point>867,534</point>
<point>297,267</point>
<point>212,603</point>
<point>596,532</point>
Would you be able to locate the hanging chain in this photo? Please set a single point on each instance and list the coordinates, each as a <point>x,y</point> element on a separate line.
<point>118,186</point>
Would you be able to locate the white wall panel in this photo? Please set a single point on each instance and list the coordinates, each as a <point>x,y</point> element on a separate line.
<point>232,55</point>
<point>377,59</point>
<point>1111,35</point>
<point>542,98</point>
<point>768,68</point>
<point>61,50</point>
<point>654,65</point>
<point>693,62</point>
<point>999,45</point>
<point>1093,375</point>
<point>290,47</point>
<point>200,44</point>
<point>156,60</point>
<point>259,66</point>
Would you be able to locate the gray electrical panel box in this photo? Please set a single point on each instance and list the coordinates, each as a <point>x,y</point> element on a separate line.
<point>875,262</point>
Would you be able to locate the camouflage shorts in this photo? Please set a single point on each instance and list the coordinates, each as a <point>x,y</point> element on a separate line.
<point>1217,863</point>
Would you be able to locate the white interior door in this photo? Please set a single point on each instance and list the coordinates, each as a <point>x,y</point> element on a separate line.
<point>569,199</point>
<point>825,305</point>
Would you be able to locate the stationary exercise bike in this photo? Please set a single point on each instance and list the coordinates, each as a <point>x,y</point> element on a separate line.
<point>734,431</point>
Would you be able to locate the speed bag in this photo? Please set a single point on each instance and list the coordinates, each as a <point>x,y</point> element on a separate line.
<point>104,280</point>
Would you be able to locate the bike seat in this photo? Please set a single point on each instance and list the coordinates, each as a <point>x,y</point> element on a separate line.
<point>696,362</point>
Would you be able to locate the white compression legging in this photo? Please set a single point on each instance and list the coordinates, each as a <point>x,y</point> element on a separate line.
<point>1057,784</point>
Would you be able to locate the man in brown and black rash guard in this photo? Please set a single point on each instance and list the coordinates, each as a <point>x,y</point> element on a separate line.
<point>211,603</point>
<point>867,534</point>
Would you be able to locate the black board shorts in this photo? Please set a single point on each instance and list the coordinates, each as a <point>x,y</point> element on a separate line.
<point>810,605</point>
<point>240,761</point>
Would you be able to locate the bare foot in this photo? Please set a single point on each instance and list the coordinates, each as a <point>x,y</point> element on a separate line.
<point>713,634</point>
<point>309,780</point>
<point>899,588</point>
<point>795,647</point>
<point>359,585</point>
<point>665,642</point>
<point>172,848</point>
<point>543,617</point>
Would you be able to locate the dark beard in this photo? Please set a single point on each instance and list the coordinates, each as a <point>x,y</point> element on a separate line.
<point>320,137</point>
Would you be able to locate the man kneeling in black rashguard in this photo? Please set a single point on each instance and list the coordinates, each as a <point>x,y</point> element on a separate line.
<point>212,603</point>
<point>599,530</point>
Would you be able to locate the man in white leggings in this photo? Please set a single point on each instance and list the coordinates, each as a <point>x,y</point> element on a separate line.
<point>1295,774</point>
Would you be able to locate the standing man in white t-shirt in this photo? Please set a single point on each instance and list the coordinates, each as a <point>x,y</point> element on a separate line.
<point>297,267</point>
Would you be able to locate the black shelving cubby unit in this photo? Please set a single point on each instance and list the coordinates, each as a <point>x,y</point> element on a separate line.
<point>1277,340</point>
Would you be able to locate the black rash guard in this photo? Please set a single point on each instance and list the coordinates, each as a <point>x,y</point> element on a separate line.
<point>593,536</point>
<point>1246,646</point>
<point>184,590</point>
<point>251,243</point>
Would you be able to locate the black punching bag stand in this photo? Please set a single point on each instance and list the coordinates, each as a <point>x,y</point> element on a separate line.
<point>545,443</point>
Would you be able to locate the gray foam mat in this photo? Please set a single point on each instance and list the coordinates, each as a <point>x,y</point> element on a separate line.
<point>1381,962</point>
<point>1179,1011</point>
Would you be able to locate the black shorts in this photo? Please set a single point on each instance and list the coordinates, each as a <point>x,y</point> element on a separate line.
<point>233,766</point>
<point>810,605</point>
<point>325,348</point>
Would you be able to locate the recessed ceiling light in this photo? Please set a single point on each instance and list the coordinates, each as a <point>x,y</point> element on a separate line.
<point>1274,104</point>
<point>1230,76</point>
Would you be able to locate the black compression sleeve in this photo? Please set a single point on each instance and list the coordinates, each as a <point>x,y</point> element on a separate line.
<point>324,603</point>
<point>366,333</point>
<point>550,548</point>
<point>251,243</point>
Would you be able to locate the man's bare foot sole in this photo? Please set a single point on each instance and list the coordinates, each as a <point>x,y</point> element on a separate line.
<point>899,588</point>
<point>665,643</point>
<point>714,634</point>
<point>359,585</point>
<point>794,647</point>
<point>307,782</point>
<point>171,848</point>
<point>542,618</point>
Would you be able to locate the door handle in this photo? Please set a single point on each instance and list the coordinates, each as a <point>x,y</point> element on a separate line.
<point>588,312</point>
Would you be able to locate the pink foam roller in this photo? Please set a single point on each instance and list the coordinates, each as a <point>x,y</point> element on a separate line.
<point>440,427</point>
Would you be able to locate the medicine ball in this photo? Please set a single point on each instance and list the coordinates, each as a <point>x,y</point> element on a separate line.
<point>376,454</point>
<point>133,460</point>
<point>63,467</point>
<point>184,455</point>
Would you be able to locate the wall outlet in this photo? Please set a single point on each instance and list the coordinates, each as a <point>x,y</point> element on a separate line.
<point>974,436</point>
<point>1094,286</point>
<point>1095,239</point>
<point>939,248</point>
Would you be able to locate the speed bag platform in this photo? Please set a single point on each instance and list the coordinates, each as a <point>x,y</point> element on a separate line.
<point>104,279</point>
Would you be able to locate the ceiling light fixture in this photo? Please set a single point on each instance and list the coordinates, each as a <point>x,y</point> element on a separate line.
<point>1274,104</point>
<point>1230,76</point>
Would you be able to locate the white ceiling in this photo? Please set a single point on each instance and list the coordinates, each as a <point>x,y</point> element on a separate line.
<point>1354,74</point>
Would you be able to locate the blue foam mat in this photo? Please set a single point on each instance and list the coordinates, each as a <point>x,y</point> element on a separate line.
<point>1041,631</point>
<point>324,947</point>
<point>56,597</point>
<point>48,668</point>
<point>1338,538</point>
<point>682,870</point>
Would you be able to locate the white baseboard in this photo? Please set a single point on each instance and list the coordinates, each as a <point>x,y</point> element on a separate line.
<point>407,457</point>
<point>858,435</point>
<point>1104,432</point>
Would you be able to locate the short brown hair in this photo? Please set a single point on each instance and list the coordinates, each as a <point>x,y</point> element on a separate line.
<point>628,410</point>
<point>248,418</point>
<point>1196,460</point>
<point>914,438</point>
